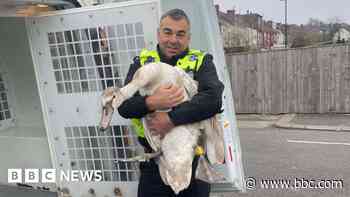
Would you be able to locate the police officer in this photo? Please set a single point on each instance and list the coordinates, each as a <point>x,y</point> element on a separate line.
<point>173,48</point>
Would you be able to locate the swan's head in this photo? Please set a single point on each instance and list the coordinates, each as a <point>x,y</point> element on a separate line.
<point>112,98</point>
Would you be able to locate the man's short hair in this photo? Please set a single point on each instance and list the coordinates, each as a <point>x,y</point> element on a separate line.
<point>176,14</point>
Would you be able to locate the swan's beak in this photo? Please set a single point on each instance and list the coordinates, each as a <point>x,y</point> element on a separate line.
<point>111,100</point>
<point>106,117</point>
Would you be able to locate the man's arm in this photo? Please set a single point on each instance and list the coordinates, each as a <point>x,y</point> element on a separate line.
<point>207,102</point>
<point>165,97</point>
<point>134,107</point>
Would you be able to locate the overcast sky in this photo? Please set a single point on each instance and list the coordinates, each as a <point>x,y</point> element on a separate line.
<point>299,11</point>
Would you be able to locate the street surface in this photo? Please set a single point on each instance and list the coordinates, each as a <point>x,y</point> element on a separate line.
<point>282,155</point>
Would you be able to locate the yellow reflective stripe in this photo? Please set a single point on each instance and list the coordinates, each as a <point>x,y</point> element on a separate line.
<point>200,57</point>
<point>145,54</point>
<point>138,127</point>
<point>192,61</point>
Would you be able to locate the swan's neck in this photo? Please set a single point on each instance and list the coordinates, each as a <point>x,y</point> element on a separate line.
<point>129,90</point>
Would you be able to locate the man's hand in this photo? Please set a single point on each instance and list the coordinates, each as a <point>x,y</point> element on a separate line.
<point>159,123</point>
<point>165,97</point>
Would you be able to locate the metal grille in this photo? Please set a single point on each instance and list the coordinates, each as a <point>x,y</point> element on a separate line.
<point>91,149</point>
<point>91,59</point>
<point>4,106</point>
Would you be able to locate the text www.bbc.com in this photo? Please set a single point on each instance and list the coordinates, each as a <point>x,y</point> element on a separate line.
<point>252,183</point>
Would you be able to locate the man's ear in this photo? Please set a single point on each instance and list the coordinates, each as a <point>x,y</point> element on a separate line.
<point>158,34</point>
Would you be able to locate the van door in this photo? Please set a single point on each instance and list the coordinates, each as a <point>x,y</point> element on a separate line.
<point>77,54</point>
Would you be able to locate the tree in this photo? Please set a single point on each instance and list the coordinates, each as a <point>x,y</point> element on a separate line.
<point>335,20</point>
<point>315,22</point>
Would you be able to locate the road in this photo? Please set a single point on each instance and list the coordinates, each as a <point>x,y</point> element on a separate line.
<point>283,154</point>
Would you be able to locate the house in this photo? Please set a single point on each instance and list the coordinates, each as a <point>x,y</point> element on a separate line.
<point>236,37</point>
<point>342,35</point>
<point>254,21</point>
<point>278,39</point>
<point>272,37</point>
<point>267,35</point>
<point>248,31</point>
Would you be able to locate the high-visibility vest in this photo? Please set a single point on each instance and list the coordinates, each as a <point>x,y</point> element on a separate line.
<point>189,63</point>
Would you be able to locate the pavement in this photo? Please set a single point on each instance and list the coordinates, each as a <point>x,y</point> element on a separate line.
<point>326,122</point>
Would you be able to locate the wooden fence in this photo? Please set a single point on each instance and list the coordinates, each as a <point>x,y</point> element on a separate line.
<point>304,80</point>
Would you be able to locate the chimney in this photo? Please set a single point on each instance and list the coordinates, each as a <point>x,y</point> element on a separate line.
<point>217,8</point>
<point>278,26</point>
<point>269,24</point>
<point>231,13</point>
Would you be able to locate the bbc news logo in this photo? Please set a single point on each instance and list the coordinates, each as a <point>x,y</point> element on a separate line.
<point>51,175</point>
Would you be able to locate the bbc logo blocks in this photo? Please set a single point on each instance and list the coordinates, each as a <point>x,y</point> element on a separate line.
<point>31,176</point>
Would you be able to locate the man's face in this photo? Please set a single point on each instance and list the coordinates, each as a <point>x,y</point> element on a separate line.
<point>173,36</point>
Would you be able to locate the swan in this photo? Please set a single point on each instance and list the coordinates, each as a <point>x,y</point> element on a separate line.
<point>176,150</point>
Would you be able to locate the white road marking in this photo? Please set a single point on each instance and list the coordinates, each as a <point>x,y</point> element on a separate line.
<point>318,142</point>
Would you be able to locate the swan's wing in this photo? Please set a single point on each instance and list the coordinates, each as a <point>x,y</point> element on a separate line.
<point>153,141</point>
<point>214,141</point>
<point>190,85</point>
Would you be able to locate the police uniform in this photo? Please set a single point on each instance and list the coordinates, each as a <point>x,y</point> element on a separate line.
<point>205,104</point>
